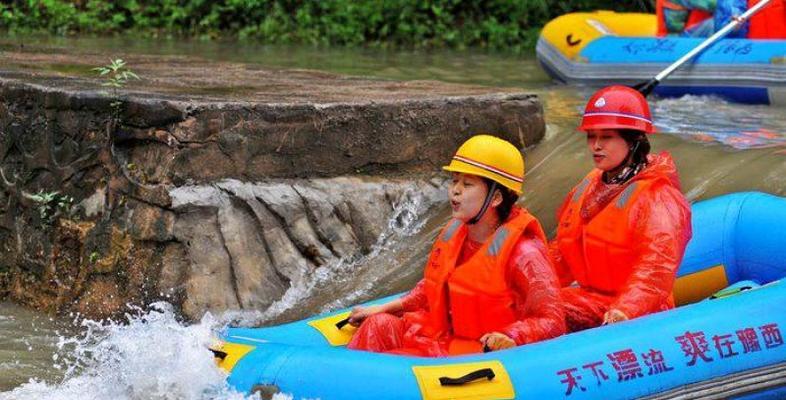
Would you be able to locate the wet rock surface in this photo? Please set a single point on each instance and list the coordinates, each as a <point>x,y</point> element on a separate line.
<point>251,241</point>
<point>214,200</point>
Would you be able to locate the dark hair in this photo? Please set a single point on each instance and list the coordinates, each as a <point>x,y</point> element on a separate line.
<point>633,137</point>
<point>509,199</point>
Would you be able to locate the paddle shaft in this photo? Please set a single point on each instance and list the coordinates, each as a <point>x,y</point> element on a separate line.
<point>646,87</point>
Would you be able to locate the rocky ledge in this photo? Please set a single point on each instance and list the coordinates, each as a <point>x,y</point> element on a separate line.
<point>215,201</point>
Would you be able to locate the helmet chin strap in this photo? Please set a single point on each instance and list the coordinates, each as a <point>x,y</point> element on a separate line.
<point>486,204</point>
<point>633,149</point>
<point>628,170</point>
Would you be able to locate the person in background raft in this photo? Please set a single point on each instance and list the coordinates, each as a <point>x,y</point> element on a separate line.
<point>488,284</point>
<point>692,18</point>
<point>702,18</point>
<point>622,231</point>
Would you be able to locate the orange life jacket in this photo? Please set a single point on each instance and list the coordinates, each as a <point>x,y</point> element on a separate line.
<point>694,17</point>
<point>601,252</point>
<point>474,298</point>
<point>770,22</point>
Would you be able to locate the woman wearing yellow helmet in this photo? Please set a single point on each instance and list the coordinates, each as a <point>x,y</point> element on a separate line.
<point>488,283</point>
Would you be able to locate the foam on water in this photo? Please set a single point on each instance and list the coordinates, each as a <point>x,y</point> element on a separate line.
<point>151,355</point>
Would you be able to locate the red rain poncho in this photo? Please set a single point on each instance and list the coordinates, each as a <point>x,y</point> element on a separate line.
<point>621,243</point>
<point>533,287</point>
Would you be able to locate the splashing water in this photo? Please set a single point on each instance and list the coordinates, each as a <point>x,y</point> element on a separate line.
<point>152,355</point>
<point>149,356</point>
<point>407,220</point>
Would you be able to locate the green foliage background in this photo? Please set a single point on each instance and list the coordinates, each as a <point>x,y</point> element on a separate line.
<point>510,25</point>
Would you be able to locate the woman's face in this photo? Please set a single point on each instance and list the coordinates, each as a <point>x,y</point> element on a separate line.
<point>607,147</point>
<point>467,194</point>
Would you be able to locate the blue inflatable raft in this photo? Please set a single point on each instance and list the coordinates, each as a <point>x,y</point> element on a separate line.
<point>602,48</point>
<point>726,345</point>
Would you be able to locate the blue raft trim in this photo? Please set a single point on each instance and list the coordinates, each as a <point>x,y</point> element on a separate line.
<point>635,50</point>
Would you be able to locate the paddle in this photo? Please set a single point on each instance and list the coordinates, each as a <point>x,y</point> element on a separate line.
<point>646,87</point>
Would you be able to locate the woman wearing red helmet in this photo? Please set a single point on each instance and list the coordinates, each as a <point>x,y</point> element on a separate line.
<point>623,229</point>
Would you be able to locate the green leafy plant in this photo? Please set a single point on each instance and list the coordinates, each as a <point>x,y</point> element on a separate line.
<point>116,74</point>
<point>52,204</point>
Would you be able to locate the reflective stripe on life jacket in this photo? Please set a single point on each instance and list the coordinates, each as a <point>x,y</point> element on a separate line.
<point>601,252</point>
<point>694,17</point>
<point>474,298</point>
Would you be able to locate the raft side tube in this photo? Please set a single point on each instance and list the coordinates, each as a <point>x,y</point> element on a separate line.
<point>736,237</point>
<point>570,33</point>
<point>540,370</point>
<point>759,238</point>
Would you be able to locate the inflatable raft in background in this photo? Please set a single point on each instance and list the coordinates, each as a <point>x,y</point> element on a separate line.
<point>727,347</point>
<point>604,47</point>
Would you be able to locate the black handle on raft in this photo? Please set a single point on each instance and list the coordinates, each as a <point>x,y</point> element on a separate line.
<point>487,373</point>
<point>218,353</point>
<point>342,323</point>
<point>486,348</point>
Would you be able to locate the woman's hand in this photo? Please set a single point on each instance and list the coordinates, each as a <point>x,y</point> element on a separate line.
<point>360,313</point>
<point>613,316</point>
<point>497,341</point>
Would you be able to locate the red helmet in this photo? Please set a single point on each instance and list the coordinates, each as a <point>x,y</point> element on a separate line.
<point>617,107</point>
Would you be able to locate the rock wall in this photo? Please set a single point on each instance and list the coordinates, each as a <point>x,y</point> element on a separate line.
<point>212,205</point>
<point>242,245</point>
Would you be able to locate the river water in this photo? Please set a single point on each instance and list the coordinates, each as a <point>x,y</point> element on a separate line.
<point>719,148</point>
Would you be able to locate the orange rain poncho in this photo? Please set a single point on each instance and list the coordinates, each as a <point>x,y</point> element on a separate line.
<point>506,284</point>
<point>621,243</point>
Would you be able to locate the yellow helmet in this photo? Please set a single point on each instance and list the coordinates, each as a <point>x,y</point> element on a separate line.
<point>492,158</point>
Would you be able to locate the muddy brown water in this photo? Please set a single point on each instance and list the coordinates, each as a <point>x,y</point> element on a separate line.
<point>719,148</point>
